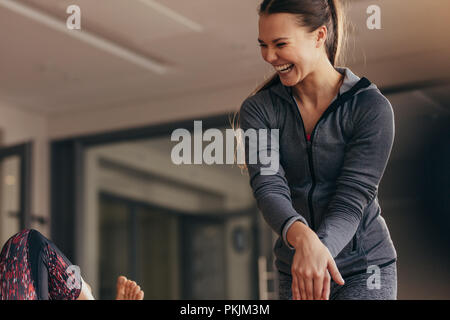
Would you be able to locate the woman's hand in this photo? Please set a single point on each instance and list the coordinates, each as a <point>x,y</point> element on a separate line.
<point>312,265</point>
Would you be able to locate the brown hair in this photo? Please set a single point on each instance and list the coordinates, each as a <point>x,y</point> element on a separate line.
<point>311,14</point>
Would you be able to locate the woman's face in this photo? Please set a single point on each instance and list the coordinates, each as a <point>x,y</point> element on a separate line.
<point>289,48</point>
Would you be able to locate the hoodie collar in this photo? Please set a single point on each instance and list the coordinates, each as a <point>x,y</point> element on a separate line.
<point>350,79</point>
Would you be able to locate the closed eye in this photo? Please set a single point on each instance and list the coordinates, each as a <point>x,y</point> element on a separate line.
<point>279,45</point>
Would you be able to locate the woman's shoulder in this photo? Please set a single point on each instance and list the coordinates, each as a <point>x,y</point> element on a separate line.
<point>259,99</point>
<point>372,99</point>
<point>258,109</point>
<point>372,103</point>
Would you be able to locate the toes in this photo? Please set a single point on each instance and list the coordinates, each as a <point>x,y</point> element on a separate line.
<point>133,287</point>
<point>137,289</point>
<point>130,289</point>
<point>121,281</point>
<point>127,289</point>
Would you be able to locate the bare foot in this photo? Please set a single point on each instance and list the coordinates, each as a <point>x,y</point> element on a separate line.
<point>128,290</point>
<point>121,283</point>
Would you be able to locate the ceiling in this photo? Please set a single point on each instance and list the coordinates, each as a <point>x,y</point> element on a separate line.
<point>202,45</point>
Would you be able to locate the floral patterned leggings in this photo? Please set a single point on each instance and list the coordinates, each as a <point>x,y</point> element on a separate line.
<point>33,268</point>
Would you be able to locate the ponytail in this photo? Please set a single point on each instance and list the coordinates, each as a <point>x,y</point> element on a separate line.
<point>337,24</point>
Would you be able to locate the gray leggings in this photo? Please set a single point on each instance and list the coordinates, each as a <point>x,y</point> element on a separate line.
<point>364,286</point>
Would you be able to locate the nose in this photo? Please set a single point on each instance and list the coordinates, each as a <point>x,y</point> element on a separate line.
<point>270,55</point>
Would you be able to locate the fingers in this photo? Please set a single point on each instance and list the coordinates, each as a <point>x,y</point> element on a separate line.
<point>334,271</point>
<point>295,288</point>
<point>318,286</point>
<point>302,285</point>
<point>305,287</point>
<point>326,286</point>
<point>309,288</point>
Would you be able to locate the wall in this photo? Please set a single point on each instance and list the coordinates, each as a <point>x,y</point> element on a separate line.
<point>180,107</point>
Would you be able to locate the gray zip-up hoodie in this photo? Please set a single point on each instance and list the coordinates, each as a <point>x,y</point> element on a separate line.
<point>329,183</point>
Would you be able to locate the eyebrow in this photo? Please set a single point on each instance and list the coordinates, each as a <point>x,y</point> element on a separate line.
<point>274,41</point>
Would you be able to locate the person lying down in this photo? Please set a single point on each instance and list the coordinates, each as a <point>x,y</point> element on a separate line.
<point>33,268</point>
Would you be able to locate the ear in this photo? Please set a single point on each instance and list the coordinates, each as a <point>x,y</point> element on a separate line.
<point>321,35</point>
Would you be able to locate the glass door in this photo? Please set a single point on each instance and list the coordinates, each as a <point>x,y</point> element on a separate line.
<point>176,255</point>
<point>139,242</point>
<point>14,189</point>
<point>204,258</point>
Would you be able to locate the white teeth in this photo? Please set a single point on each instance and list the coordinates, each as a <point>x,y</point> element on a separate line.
<point>283,67</point>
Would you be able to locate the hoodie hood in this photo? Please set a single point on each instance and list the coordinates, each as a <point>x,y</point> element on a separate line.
<point>350,80</point>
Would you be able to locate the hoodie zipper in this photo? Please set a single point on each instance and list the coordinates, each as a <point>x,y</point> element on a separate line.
<point>362,83</point>
<point>310,158</point>
<point>354,243</point>
<point>311,168</point>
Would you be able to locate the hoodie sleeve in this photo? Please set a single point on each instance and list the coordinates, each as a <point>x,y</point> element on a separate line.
<point>365,160</point>
<point>268,181</point>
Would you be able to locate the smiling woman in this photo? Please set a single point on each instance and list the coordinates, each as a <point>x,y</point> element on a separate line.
<point>298,21</point>
<point>336,135</point>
